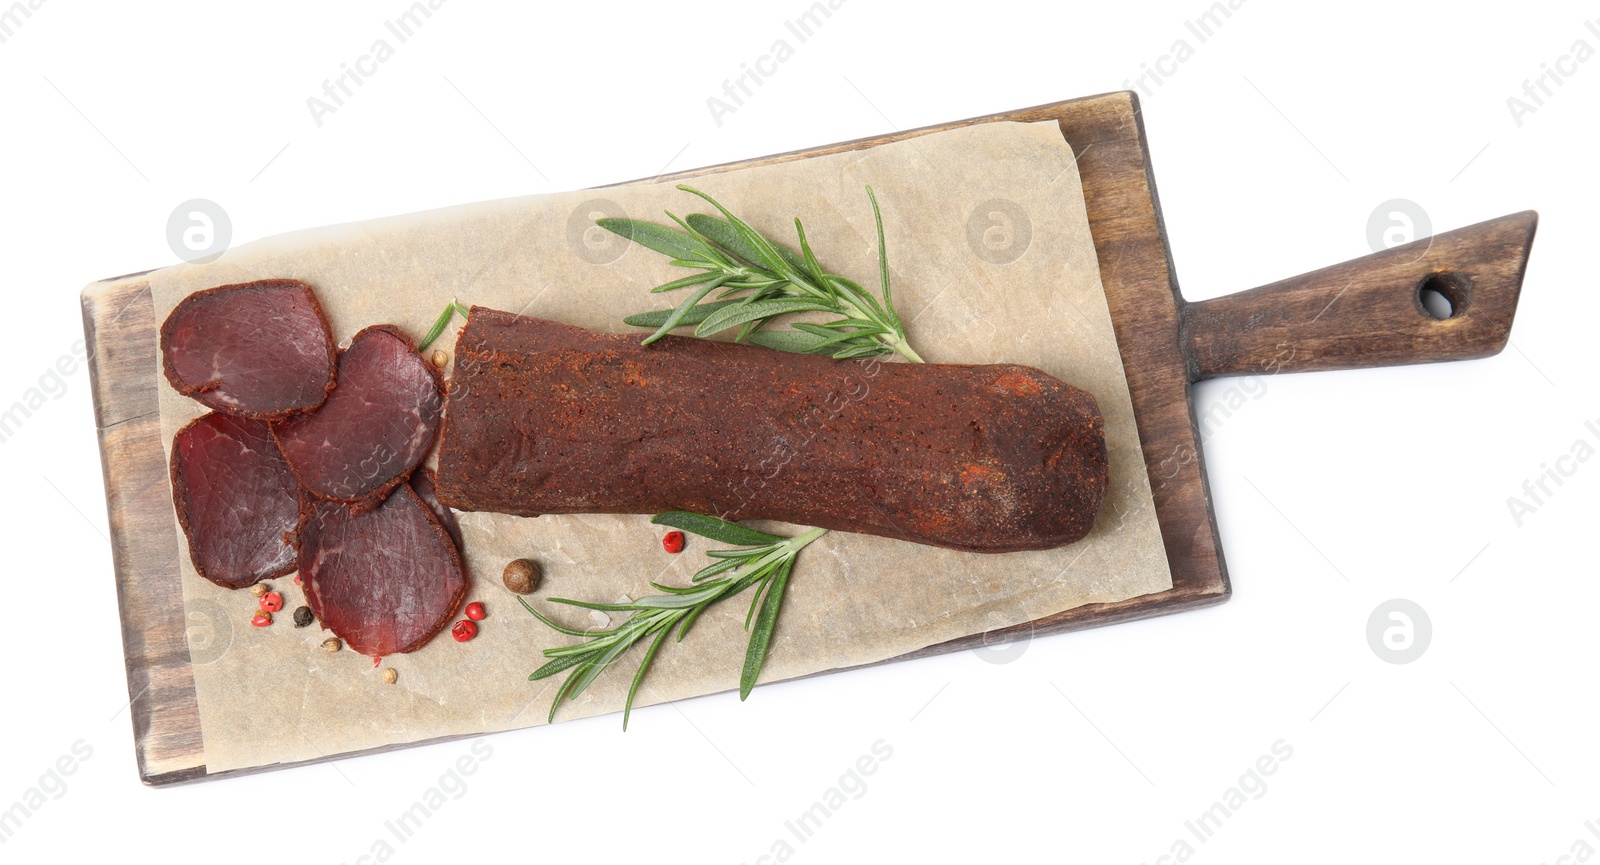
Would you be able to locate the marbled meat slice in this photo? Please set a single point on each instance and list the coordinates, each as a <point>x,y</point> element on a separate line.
<point>383,580</point>
<point>545,418</point>
<point>422,480</point>
<point>376,426</point>
<point>257,349</point>
<point>235,498</point>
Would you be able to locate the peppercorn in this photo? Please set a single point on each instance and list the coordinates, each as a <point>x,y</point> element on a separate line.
<point>390,676</point>
<point>522,576</point>
<point>464,630</point>
<point>440,358</point>
<point>303,616</point>
<point>331,645</point>
<point>261,619</point>
<point>271,602</point>
<point>260,589</point>
<point>476,612</point>
<point>673,542</point>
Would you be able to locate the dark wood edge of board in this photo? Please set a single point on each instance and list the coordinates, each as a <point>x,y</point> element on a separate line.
<point>1107,135</point>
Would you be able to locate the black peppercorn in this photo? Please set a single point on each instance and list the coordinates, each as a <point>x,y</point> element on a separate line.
<point>303,617</point>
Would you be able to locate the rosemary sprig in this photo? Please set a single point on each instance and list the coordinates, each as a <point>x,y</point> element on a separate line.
<point>757,280</point>
<point>439,323</point>
<point>764,562</point>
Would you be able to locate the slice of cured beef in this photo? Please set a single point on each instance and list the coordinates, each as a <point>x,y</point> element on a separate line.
<point>257,349</point>
<point>545,418</point>
<point>235,498</point>
<point>376,426</point>
<point>384,580</point>
<point>422,481</point>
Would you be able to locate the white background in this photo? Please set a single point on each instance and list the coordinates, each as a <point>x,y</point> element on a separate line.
<point>1334,492</point>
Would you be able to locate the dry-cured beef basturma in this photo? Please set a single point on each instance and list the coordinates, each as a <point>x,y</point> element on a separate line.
<point>375,427</point>
<point>258,349</point>
<point>422,481</point>
<point>235,498</point>
<point>383,580</point>
<point>545,418</point>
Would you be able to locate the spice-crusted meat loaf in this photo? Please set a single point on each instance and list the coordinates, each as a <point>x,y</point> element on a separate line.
<point>546,418</point>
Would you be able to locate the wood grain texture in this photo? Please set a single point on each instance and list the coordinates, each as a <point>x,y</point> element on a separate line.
<point>1368,312</point>
<point>1165,344</point>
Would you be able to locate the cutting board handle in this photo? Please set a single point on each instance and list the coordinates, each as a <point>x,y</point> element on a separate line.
<point>1379,310</point>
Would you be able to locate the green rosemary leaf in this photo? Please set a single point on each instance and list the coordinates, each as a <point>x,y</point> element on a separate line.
<point>812,268</point>
<point>699,595</point>
<point>674,590</point>
<point>556,666</point>
<point>599,665</point>
<point>833,341</point>
<point>462,311</point>
<point>644,666</point>
<point>561,693</point>
<point>694,316</point>
<point>715,529</point>
<point>667,241</point>
<point>712,570</point>
<point>684,309</point>
<point>769,566</point>
<point>720,232</point>
<point>855,351</point>
<point>727,237</point>
<point>761,638</point>
<point>734,316</point>
<point>798,342</point>
<point>763,577</point>
<point>439,325</point>
<point>685,282</point>
<point>883,261</point>
<point>683,629</point>
<point>587,605</point>
<point>553,626</point>
<point>859,326</point>
<point>760,270</point>
<point>719,258</point>
<point>863,300</point>
<point>766,251</point>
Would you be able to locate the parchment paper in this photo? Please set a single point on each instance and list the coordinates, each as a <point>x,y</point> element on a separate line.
<point>992,260</point>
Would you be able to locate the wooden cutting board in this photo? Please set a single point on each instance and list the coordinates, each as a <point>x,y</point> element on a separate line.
<point>1366,312</point>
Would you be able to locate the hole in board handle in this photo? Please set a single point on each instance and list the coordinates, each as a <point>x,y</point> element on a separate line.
<point>1443,295</point>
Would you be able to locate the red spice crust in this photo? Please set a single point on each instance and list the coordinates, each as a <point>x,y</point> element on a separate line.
<point>195,391</point>
<point>377,497</point>
<point>543,418</point>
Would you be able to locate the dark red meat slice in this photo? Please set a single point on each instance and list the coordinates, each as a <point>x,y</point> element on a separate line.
<point>258,349</point>
<point>375,427</point>
<point>422,481</point>
<point>235,498</point>
<point>383,580</point>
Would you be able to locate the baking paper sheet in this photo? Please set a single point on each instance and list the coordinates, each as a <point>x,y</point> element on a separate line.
<point>992,260</point>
